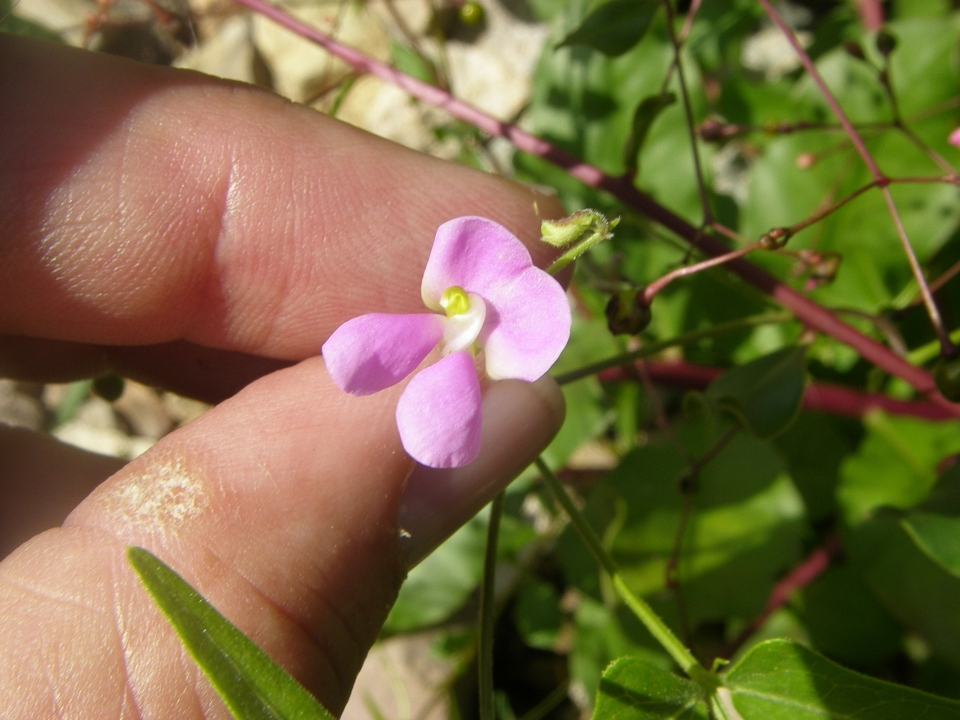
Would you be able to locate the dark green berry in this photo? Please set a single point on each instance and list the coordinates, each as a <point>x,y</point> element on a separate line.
<point>109,386</point>
<point>946,374</point>
<point>886,42</point>
<point>627,313</point>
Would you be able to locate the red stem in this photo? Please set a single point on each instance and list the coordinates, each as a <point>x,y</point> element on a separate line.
<point>871,14</point>
<point>802,575</point>
<point>809,312</point>
<point>881,180</point>
<point>819,396</point>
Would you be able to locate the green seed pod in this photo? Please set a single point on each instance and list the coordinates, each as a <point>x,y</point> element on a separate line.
<point>946,374</point>
<point>471,13</point>
<point>109,386</point>
<point>627,313</point>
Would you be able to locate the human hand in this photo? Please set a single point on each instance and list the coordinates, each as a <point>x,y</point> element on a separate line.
<point>199,235</point>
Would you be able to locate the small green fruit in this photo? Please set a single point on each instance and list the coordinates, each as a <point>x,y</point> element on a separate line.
<point>109,386</point>
<point>471,13</point>
<point>886,42</point>
<point>946,374</point>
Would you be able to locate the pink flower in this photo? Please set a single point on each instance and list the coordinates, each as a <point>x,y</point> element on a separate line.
<point>500,312</point>
<point>954,138</point>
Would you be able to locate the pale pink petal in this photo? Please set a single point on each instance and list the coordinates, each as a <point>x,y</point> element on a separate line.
<point>439,413</point>
<point>473,253</point>
<point>528,317</point>
<point>527,326</point>
<point>373,352</point>
<point>954,138</point>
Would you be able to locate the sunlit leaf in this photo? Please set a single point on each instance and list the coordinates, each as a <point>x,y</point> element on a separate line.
<point>781,680</point>
<point>639,690</point>
<point>896,465</point>
<point>250,683</point>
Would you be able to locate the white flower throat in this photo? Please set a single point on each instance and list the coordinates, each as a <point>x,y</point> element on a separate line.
<point>465,315</point>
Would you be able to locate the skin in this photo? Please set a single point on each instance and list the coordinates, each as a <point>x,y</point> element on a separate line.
<point>208,237</point>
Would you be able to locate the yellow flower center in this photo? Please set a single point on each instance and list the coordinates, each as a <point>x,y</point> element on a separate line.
<point>455,301</point>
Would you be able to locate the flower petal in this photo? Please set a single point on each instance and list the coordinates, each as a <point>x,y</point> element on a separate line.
<point>439,413</point>
<point>528,317</point>
<point>373,352</point>
<point>527,327</point>
<point>474,253</point>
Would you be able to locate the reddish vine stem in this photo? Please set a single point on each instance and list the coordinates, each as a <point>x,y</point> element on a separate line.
<point>688,21</point>
<point>660,283</point>
<point>871,14</point>
<point>819,396</point>
<point>946,346</point>
<point>815,316</point>
<point>809,569</point>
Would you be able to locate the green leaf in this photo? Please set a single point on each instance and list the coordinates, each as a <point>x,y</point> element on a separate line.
<point>914,589</point>
<point>615,27</point>
<point>643,117</point>
<point>437,587</point>
<point>896,465</point>
<point>781,680</point>
<point>250,683</point>
<point>15,25</point>
<point>409,61</point>
<point>934,525</point>
<point>765,394</point>
<point>639,690</point>
<point>537,614</point>
<point>847,622</point>
<point>599,638</point>
<point>938,536</point>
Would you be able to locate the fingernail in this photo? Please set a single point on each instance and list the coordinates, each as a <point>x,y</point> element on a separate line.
<point>519,420</point>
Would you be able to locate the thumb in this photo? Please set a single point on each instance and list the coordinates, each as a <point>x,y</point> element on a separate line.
<point>280,506</point>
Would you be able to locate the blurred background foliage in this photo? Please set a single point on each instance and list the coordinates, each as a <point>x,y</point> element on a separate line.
<point>706,498</point>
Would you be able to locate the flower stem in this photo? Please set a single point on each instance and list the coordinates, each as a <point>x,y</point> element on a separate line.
<point>639,607</point>
<point>488,615</point>
<point>683,339</point>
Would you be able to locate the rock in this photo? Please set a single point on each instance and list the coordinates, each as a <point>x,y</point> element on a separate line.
<point>228,54</point>
<point>400,678</point>
<point>19,409</point>
<point>301,69</point>
<point>144,411</point>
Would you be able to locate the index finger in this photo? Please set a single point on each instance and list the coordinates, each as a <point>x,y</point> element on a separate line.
<point>165,206</point>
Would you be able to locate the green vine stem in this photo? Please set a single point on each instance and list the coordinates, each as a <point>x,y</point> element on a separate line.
<point>664,635</point>
<point>770,318</point>
<point>488,613</point>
